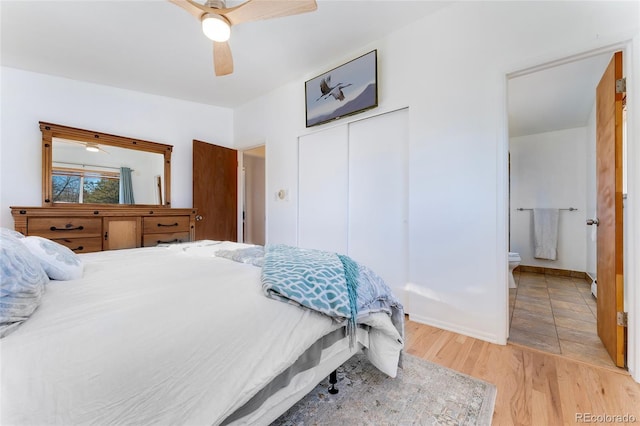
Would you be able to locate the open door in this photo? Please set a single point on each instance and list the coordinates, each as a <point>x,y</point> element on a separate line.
<point>215,191</point>
<point>253,193</point>
<point>609,103</point>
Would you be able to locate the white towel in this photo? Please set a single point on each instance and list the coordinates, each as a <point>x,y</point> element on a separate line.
<point>545,233</point>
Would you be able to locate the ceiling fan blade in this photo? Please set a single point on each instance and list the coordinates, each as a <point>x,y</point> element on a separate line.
<point>222,59</point>
<point>196,9</point>
<point>255,10</point>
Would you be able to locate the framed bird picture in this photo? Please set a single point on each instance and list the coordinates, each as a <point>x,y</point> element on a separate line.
<point>346,90</point>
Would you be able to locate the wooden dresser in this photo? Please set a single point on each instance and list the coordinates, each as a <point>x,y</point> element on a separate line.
<point>89,229</point>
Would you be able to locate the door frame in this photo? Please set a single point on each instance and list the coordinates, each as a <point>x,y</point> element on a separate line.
<point>631,215</point>
<point>241,189</point>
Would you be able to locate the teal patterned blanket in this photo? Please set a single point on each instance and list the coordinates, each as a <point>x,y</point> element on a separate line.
<point>326,282</point>
<point>323,281</point>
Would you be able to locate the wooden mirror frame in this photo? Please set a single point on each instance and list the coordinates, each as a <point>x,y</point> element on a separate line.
<point>50,131</point>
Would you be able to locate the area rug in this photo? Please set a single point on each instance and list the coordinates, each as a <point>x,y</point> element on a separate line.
<point>423,393</point>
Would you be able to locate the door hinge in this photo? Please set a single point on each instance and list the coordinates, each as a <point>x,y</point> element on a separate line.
<point>621,85</point>
<point>622,319</point>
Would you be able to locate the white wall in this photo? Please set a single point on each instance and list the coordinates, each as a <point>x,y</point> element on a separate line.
<point>28,98</point>
<point>449,68</point>
<point>548,170</point>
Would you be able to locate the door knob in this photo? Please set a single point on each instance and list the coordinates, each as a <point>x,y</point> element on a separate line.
<point>593,222</point>
<point>199,217</point>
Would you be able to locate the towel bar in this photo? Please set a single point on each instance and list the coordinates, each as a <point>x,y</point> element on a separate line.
<point>571,209</point>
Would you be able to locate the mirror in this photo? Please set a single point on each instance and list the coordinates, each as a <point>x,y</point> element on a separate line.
<point>87,167</point>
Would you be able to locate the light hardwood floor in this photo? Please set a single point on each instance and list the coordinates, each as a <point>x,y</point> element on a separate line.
<point>534,387</point>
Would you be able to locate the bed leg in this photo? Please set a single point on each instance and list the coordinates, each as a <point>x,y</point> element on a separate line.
<point>333,379</point>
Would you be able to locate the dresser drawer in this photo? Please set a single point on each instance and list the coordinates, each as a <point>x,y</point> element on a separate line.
<point>81,245</point>
<point>150,240</point>
<point>65,227</point>
<point>165,224</point>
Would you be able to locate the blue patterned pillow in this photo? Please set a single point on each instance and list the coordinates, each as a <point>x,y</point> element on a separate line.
<point>58,261</point>
<point>22,282</point>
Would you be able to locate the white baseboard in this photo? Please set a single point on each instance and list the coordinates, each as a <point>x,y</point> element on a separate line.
<point>491,338</point>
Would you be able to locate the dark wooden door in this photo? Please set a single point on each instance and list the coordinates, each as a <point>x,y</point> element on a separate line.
<point>215,191</point>
<point>609,210</point>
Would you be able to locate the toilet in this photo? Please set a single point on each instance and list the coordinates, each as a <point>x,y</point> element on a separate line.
<point>514,261</point>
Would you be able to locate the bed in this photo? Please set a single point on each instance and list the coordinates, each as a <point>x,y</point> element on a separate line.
<point>176,335</point>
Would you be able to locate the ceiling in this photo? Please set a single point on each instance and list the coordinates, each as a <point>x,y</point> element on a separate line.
<point>556,98</point>
<point>156,47</point>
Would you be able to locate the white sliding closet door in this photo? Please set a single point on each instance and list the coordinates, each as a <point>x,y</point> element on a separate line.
<point>323,190</point>
<point>378,196</point>
<point>353,193</point>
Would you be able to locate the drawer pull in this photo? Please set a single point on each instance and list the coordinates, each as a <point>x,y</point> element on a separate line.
<point>68,228</point>
<point>78,248</point>
<point>169,242</point>
<point>172,224</point>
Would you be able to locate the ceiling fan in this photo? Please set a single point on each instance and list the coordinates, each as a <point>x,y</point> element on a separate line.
<point>217,20</point>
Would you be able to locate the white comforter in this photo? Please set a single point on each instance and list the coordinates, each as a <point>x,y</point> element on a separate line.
<point>151,336</point>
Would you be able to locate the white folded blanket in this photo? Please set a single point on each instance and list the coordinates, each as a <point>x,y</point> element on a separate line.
<point>545,233</point>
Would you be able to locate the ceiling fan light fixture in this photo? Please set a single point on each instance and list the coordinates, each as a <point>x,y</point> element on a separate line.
<point>216,27</point>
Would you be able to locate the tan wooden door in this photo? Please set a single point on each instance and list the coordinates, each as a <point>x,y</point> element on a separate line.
<point>215,191</point>
<point>609,210</point>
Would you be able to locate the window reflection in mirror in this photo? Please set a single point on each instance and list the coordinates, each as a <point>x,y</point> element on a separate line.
<point>72,185</point>
<point>84,172</point>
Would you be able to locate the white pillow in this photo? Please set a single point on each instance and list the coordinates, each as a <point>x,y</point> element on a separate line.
<point>22,283</point>
<point>58,261</point>
<point>6,232</point>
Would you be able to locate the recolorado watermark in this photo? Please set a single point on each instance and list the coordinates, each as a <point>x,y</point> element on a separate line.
<point>605,418</point>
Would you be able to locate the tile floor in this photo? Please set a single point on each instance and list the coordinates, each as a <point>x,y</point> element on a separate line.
<point>556,314</point>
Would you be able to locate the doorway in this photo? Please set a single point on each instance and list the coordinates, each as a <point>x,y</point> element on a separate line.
<point>252,183</point>
<point>552,152</point>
